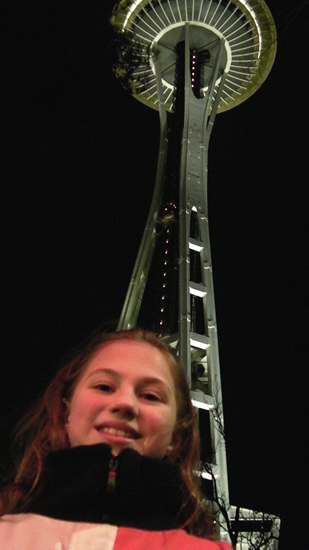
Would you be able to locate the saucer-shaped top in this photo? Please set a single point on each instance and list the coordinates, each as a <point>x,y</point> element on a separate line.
<point>246,28</point>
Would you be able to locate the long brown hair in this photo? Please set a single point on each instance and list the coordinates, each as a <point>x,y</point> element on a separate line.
<point>42,430</point>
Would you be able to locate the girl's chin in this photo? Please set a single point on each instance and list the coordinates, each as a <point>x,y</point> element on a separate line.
<point>117,444</point>
<point>116,449</point>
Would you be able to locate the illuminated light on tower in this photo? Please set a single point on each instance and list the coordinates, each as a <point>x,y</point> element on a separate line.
<point>189,59</point>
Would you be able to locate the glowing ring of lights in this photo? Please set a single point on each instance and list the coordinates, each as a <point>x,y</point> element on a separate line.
<point>214,33</point>
<point>247,27</point>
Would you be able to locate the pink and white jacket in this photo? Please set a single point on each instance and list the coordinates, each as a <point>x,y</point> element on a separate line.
<point>35,532</point>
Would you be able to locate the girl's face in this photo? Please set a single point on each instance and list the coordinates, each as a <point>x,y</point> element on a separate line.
<point>125,398</point>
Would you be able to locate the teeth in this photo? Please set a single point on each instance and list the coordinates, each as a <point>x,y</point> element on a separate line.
<point>113,431</point>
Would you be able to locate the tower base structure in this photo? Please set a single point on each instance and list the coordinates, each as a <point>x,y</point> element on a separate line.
<point>186,59</point>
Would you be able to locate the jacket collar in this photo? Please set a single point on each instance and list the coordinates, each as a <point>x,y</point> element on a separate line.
<point>148,493</point>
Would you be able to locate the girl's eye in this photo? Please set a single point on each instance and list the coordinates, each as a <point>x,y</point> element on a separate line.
<point>151,396</point>
<point>105,388</point>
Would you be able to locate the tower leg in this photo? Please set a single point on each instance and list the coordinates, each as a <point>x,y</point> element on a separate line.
<point>198,343</point>
<point>134,296</point>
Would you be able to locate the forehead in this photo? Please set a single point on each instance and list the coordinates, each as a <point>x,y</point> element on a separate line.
<point>131,356</point>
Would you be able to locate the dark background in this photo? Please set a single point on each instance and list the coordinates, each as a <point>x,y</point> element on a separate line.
<point>79,159</point>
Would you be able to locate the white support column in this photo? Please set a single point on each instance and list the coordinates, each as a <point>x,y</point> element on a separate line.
<point>134,296</point>
<point>198,125</point>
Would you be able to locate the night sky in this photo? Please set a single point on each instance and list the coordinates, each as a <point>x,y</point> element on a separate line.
<point>79,160</point>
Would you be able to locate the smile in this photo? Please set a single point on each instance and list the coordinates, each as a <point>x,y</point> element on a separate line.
<point>118,433</point>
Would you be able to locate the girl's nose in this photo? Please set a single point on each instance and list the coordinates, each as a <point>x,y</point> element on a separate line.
<point>125,403</point>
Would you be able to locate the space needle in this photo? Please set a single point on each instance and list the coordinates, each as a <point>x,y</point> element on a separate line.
<point>189,59</point>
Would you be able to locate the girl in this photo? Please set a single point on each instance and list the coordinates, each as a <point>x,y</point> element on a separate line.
<point>108,456</point>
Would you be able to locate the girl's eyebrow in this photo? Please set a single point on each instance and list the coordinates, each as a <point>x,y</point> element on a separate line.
<point>144,381</point>
<point>104,371</point>
<point>111,372</point>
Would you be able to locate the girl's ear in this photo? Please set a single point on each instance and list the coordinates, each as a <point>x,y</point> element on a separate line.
<point>67,403</point>
<point>169,450</point>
